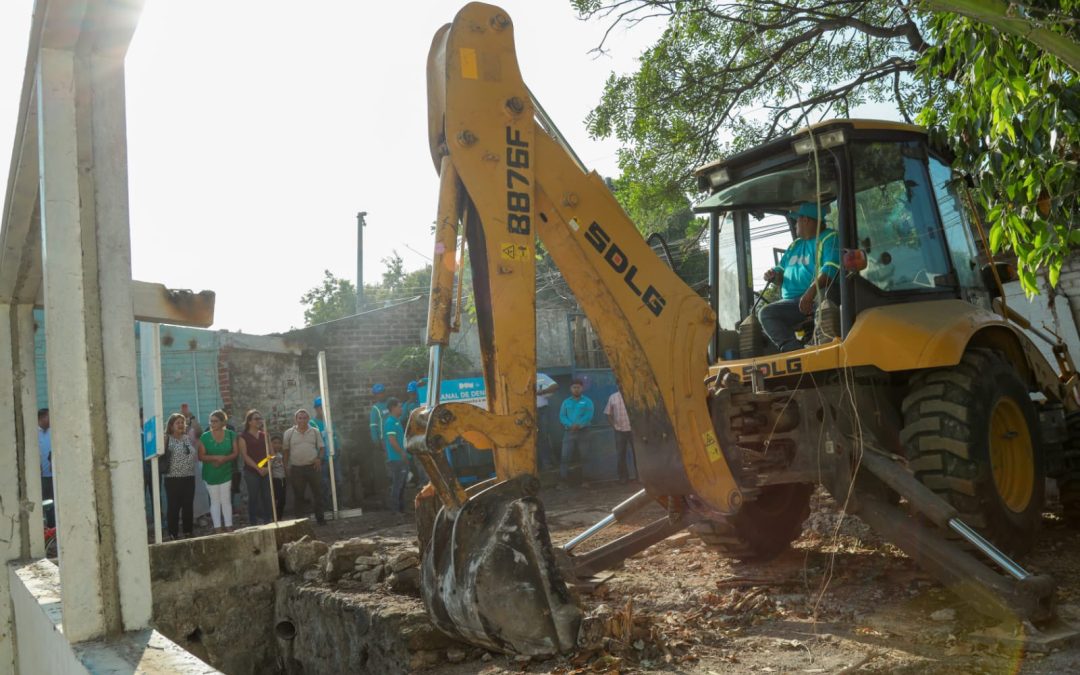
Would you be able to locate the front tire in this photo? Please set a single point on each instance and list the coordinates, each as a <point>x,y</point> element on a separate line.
<point>972,436</point>
<point>763,528</point>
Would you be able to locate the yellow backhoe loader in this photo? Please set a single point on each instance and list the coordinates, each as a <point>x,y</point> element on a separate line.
<point>915,396</point>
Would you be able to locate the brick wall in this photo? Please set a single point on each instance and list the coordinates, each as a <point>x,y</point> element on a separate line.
<point>351,345</point>
<point>268,381</point>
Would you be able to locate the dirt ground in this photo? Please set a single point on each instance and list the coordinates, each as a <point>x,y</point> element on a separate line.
<point>841,601</point>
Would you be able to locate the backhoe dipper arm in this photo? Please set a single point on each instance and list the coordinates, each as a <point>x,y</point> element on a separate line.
<point>512,181</point>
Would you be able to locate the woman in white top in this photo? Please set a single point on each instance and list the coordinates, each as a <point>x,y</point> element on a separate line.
<point>180,455</point>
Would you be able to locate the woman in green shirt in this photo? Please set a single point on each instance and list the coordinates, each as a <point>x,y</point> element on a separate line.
<point>217,450</point>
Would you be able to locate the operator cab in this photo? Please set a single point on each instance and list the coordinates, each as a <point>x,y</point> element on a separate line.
<point>892,200</point>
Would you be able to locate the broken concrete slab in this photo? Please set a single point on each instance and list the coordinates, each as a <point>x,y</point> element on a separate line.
<point>303,554</point>
<point>341,558</point>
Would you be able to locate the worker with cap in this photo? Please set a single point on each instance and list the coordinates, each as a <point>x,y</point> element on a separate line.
<point>319,422</point>
<point>809,264</point>
<point>378,414</point>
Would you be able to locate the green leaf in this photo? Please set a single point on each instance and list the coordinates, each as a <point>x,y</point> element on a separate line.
<point>996,233</point>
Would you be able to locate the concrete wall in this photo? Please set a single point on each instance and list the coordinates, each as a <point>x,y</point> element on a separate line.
<point>262,374</point>
<point>340,632</point>
<point>214,595</point>
<point>43,648</point>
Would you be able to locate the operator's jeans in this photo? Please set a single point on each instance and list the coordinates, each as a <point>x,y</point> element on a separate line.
<point>571,446</point>
<point>779,320</point>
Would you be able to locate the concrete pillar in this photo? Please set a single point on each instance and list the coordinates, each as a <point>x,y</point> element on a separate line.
<point>28,453</point>
<point>9,486</point>
<point>104,565</point>
<point>20,488</point>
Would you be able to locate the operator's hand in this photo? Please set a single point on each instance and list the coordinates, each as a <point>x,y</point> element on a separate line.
<point>771,274</point>
<point>806,301</point>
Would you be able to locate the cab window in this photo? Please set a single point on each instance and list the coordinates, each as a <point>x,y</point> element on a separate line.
<point>896,224</point>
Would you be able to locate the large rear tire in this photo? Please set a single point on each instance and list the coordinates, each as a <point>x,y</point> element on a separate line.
<point>763,528</point>
<point>972,436</point>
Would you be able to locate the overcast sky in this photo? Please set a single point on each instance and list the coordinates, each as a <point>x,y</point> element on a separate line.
<point>257,129</point>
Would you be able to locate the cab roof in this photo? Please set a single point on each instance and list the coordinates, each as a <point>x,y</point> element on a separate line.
<point>783,144</point>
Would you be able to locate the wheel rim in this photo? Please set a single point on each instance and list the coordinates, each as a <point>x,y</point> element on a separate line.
<point>1011,455</point>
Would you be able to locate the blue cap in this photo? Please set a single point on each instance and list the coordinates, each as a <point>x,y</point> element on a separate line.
<point>378,388</point>
<point>810,210</point>
<point>317,402</point>
<point>411,387</point>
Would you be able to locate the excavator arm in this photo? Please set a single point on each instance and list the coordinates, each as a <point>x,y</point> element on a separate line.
<point>508,180</point>
<point>505,169</point>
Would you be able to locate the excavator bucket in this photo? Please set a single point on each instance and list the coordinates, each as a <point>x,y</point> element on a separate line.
<point>489,574</point>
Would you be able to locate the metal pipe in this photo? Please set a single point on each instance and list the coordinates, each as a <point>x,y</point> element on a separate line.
<point>434,376</point>
<point>195,373</point>
<point>714,276</point>
<point>975,539</point>
<point>360,223</point>
<point>933,506</point>
<point>328,424</point>
<point>602,525</point>
<point>620,513</point>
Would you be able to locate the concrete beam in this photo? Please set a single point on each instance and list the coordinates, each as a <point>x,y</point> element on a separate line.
<point>156,304</point>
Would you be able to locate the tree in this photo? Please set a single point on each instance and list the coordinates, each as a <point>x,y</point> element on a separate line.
<point>1011,113</point>
<point>729,74</point>
<point>394,273</point>
<point>335,298</point>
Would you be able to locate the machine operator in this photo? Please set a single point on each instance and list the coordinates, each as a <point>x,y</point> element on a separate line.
<point>811,262</point>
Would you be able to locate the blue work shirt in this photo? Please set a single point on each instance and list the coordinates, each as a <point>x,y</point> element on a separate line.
<point>44,439</point>
<point>805,260</point>
<point>378,416</point>
<point>406,409</point>
<point>321,426</point>
<point>577,411</point>
<point>392,429</point>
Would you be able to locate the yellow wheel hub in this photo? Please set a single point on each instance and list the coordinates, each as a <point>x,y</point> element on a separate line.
<point>1012,457</point>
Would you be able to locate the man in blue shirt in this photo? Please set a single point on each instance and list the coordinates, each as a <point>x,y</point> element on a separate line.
<point>319,422</point>
<point>575,415</point>
<point>378,414</point>
<point>45,448</point>
<point>394,444</point>
<point>811,262</point>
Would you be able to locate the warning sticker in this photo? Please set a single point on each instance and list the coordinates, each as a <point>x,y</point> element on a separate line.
<point>468,64</point>
<point>712,448</point>
<point>509,251</point>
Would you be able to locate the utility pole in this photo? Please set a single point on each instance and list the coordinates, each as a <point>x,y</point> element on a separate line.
<point>360,260</point>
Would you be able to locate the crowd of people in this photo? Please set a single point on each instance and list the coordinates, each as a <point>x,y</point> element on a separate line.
<point>272,465</point>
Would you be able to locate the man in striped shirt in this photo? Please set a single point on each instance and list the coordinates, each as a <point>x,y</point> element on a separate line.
<point>811,262</point>
<point>624,439</point>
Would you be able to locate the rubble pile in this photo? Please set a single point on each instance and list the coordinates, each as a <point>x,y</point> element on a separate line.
<point>362,564</point>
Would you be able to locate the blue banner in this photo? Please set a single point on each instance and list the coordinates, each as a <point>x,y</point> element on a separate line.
<point>466,390</point>
<point>149,435</point>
